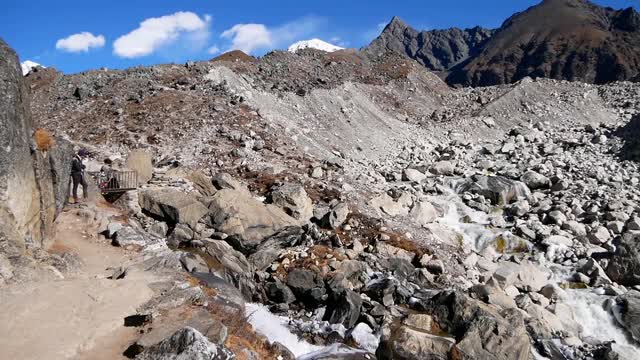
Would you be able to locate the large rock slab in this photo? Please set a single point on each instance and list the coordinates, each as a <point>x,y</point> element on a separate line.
<point>173,206</point>
<point>246,219</point>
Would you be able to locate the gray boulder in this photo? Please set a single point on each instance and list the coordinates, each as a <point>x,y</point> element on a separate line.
<point>344,308</point>
<point>271,249</point>
<point>624,266</point>
<point>225,181</point>
<point>627,312</point>
<point>413,175</point>
<point>337,216</point>
<point>247,220</point>
<point>482,331</point>
<point>279,292</point>
<point>307,285</point>
<point>423,213</point>
<point>186,344</point>
<point>535,180</point>
<point>409,343</point>
<point>173,206</point>
<point>293,199</point>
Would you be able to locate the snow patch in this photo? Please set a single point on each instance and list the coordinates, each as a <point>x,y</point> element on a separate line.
<point>275,329</point>
<point>314,44</point>
<point>28,65</point>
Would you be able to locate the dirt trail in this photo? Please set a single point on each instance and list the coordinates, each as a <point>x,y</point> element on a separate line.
<point>80,316</point>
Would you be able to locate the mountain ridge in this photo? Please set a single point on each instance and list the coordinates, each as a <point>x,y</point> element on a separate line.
<point>561,39</point>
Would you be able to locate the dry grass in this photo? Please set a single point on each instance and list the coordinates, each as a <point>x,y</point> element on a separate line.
<point>44,140</point>
<point>368,231</point>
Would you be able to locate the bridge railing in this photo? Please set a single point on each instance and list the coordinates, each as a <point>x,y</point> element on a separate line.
<point>115,180</point>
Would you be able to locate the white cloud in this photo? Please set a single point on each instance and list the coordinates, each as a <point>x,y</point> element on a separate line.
<point>155,33</point>
<point>252,37</point>
<point>213,50</point>
<point>80,42</point>
<point>249,37</point>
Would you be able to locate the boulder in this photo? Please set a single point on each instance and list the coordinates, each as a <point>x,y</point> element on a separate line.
<point>271,249</point>
<point>141,162</point>
<point>627,312</point>
<point>482,331</point>
<point>499,190</point>
<point>535,180</point>
<point>624,266</point>
<point>293,199</point>
<point>225,181</point>
<point>525,276</point>
<point>279,292</point>
<point>247,220</point>
<point>387,205</point>
<point>423,213</point>
<point>599,235</point>
<point>442,168</point>
<point>307,285</point>
<point>231,265</point>
<point>202,182</point>
<point>127,236</point>
<point>413,175</point>
<point>337,216</point>
<point>408,343</point>
<point>172,206</point>
<point>187,343</point>
<point>344,308</point>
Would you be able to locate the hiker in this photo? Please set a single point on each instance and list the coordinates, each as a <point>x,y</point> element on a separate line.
<point>77,174</point>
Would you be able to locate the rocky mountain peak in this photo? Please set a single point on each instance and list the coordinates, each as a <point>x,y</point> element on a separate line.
<point>438,50</point>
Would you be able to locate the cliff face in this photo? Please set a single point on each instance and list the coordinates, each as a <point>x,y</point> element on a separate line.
<point>438,50</point>
<point>559,39</point>
<point>33,182</point>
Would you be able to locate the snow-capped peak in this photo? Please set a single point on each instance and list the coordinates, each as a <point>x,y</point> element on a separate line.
<point>314,44</point>
<point>28,65</point>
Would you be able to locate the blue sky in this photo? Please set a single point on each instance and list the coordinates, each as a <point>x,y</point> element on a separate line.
<point>73,35</point>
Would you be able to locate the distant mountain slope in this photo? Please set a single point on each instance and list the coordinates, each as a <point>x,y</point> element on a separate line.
<point>438,50</point>
<point>561,39</point>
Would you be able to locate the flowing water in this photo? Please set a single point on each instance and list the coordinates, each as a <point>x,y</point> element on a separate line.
<point>597,324</point>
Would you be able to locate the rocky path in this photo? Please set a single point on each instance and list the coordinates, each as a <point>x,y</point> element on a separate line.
<point>80,315</point>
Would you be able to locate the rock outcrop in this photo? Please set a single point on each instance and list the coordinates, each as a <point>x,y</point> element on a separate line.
<point>34,171</point>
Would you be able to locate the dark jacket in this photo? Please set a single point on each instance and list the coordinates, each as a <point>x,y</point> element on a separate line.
<point>77,167</point>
